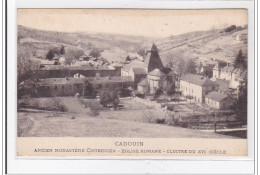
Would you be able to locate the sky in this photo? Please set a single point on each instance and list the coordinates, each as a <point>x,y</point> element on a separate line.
<point>149,23</point>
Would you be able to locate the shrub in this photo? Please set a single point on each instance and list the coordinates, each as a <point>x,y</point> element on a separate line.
<point>148,116</point>
<point>93,107</point>
<point>109,98</point>
<point>94,53</point>
<point>63,108</point>
<point>160,121</point>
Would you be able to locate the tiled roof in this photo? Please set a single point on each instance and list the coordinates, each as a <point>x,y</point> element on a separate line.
<point>154,48</point>
<point>227,69</point>
<point>157,72</point>
<point>48,62</point>
<point>60,67</point>
<point>216,96</point>
<point>139,70</point>
<point>94,80</point>
<point>143,82</point>
<point>198,80</point>
<point>223,85</point>
<point>240,73</point>
<point>134,63</point>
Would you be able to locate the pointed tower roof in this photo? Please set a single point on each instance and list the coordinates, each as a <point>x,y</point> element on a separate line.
<point>154,48</point>
<point>153,60</point>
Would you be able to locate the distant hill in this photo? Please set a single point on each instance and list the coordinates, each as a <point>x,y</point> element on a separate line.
<point>114,47</point>
<point>203,46</point>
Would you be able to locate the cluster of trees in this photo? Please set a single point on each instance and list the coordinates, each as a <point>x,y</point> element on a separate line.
<point>51,54</point>
<point>27,78</point>
<point>240,61</point>
<point>72,55</point>
<point>95,53</point>
<point>186,66</point>
<point>109,98</point>
<point>240,105</point>
<point>142,52</point>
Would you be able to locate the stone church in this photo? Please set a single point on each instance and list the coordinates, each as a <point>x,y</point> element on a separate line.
<point>149,75</point>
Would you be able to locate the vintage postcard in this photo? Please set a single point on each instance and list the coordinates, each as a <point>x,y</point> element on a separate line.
<point>132,82</point>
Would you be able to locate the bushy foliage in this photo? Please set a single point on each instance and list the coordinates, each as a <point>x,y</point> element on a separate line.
<point>240,61</point>
<point>72,55</point>
<point>50,55</point>
<point>62,50</point>
<point>240,105</point>
<point>27,78</point>
<point>95,53</point>
<point>142,52</point>
<point>109,98</point>
<point>191,67</point>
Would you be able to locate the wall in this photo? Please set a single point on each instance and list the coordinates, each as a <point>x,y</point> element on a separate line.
<point>53,90</point>
<point>212,103</point>
<point>192,90</point>
<point>216,73</point>
<point>154,83</point>
<point>63,73</point>
<point>225,75</point>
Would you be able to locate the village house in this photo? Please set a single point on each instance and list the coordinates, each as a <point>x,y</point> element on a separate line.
<point>44,63</point>
<point>206,70</point>
<point>197,86</point>
<point>235,76</point>
<point>63,71</point>
<point>218,100</point>
<point>51,87</point>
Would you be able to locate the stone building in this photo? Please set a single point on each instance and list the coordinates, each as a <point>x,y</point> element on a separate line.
<point>156,80</point>
<point>51,87</point>
<point>63,71</point>
<point>218,100</point>
<point>196,86</point>
<point>151,69</point>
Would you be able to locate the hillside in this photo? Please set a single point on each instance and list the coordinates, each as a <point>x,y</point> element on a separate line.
<point>113,47</point>
<point>203,46</point>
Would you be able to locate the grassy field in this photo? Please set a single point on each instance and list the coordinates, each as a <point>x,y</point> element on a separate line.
<point>133,119</point>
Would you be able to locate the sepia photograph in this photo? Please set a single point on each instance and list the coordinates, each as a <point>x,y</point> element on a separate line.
<point>132,73</point>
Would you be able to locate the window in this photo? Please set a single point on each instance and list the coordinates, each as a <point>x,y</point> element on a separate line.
<point>48,87</point>
<point>63,87</point>
<point>56,88</point>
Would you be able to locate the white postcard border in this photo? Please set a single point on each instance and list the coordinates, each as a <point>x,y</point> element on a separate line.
<point>117,166</point>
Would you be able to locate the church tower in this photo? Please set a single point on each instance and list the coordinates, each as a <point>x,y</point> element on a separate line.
<point>153,59</point>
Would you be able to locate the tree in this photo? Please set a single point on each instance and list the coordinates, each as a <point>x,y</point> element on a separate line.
<point>170,89</point>
<point>50,55</point>
<point>109,98</point>
<point>89,90</point>
<point>240,105</point>
<point>62,50</point>
<point>127,58</point>
<point>142,52</point>
<point>158,92</point>
<point>189,97</point>
<point>181,66</point>
<point>94,53</point>
<point>27,79</point>
<point>191,67</point>
<point>240,61</point>
<point>72,55</point>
